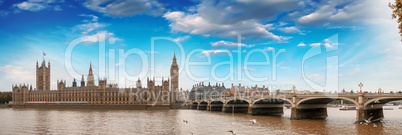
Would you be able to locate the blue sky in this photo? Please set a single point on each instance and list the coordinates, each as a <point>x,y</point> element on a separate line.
<point>360,34</point>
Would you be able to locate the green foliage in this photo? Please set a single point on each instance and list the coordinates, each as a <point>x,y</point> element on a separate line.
<point>5,97</point>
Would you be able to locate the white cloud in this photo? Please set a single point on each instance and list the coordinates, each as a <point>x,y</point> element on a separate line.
<point>37,5</point>
<point>315,44</point>
<point>88,27</point>
<point>213,52</point>
<point>227,19</point>
<point>102,34</point>
<point>249,69</point>
<point>344,12</point>
<point>180,39</point>
<point>118,64</point>
<point>123,8</point>
<point>195,24</point>
<point>228,44</point>
<point>94,18</point>
<point>301,44</point>
<point>269,49</point>
<point>31,6</point>
<point>16,73</point>
<point>292,29</point>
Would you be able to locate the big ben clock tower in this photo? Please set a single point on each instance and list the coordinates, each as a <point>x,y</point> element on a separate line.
<point>174,75</point>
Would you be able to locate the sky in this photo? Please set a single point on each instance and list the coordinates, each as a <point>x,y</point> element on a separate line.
<point>312,44</point>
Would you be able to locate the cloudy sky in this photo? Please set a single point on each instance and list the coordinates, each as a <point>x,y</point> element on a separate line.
<point>312,44</point>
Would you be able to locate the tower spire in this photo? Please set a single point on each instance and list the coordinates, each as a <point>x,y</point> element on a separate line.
<point>90,78</point>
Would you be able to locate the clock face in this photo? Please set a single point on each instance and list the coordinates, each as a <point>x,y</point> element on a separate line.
<point>175,72</point>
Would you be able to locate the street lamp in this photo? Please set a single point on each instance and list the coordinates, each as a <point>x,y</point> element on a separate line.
<point>361,85</point>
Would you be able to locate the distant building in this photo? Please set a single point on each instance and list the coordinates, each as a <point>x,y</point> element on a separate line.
<point>202,92</point>
<point>90,93</point>
<point>240,91</point>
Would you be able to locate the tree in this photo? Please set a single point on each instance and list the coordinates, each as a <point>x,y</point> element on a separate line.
<point>397,13</point>
<point>5,97</point>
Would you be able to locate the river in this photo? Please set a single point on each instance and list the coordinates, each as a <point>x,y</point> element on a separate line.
<point>79,121</point>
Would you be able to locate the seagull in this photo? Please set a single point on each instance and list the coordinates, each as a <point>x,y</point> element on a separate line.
<point>232,131</point>
<point>185,121</point>
<point>372,105</point>
<point>374,125</point>
<point>377,101</point>
<point>254,121</point>
<point>369,120</point>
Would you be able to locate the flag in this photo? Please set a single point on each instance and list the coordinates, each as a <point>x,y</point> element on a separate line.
<point>44,54</point>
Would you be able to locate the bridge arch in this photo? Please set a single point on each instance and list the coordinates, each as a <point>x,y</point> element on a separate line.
<point>268,106</point>
<point>236,101</point>
<point>284,99</point>
<point>215,105</point>
<point>202,105</point>
<point>315,107</point>
<point>236,106</point>
<point>329,99</point>
<point>194,105</point>
<point>381,100</point>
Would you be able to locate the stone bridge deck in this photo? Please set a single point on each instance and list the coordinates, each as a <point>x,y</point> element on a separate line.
<point>304,106</point>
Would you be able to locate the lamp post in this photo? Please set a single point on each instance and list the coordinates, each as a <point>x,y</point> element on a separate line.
<point>361,85</point>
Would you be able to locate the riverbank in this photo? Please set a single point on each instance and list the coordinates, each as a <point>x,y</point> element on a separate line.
<point>4,106</point>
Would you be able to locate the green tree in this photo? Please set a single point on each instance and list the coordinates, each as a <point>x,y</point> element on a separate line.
<point>5,97</point>
<point>397,13</point>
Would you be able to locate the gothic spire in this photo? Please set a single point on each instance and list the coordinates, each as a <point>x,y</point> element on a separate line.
<point>174,63</point>
<point>90,67</point>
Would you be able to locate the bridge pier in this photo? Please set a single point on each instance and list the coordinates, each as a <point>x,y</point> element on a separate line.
<point>269,110</point>
<point>370,115</point>
<point>202,106</point>
<point>308,113</point>
<point>215,107</point>
<point>241,108</point>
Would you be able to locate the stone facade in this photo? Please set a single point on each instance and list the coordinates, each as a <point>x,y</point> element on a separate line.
<point>90,93</point>
<point>201,91</point>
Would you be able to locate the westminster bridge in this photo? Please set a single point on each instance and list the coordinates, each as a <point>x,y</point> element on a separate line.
<point>303,106</point>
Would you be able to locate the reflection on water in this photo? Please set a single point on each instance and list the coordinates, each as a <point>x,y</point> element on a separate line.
<point>60,121</point>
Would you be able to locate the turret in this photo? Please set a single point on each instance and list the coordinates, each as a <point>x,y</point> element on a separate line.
<point>139,83</point>
<point>74,83</point>
<point>61,85</point>
<point>102,83</point>
<point>82,81</point>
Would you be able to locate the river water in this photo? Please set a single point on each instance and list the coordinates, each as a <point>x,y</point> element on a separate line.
<point>79,121</point>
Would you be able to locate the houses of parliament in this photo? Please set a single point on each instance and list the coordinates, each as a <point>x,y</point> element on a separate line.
<point>88,93</point>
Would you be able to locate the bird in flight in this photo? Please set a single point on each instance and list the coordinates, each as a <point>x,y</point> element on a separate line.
<point>254,121</point>
<point>232,131</point>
